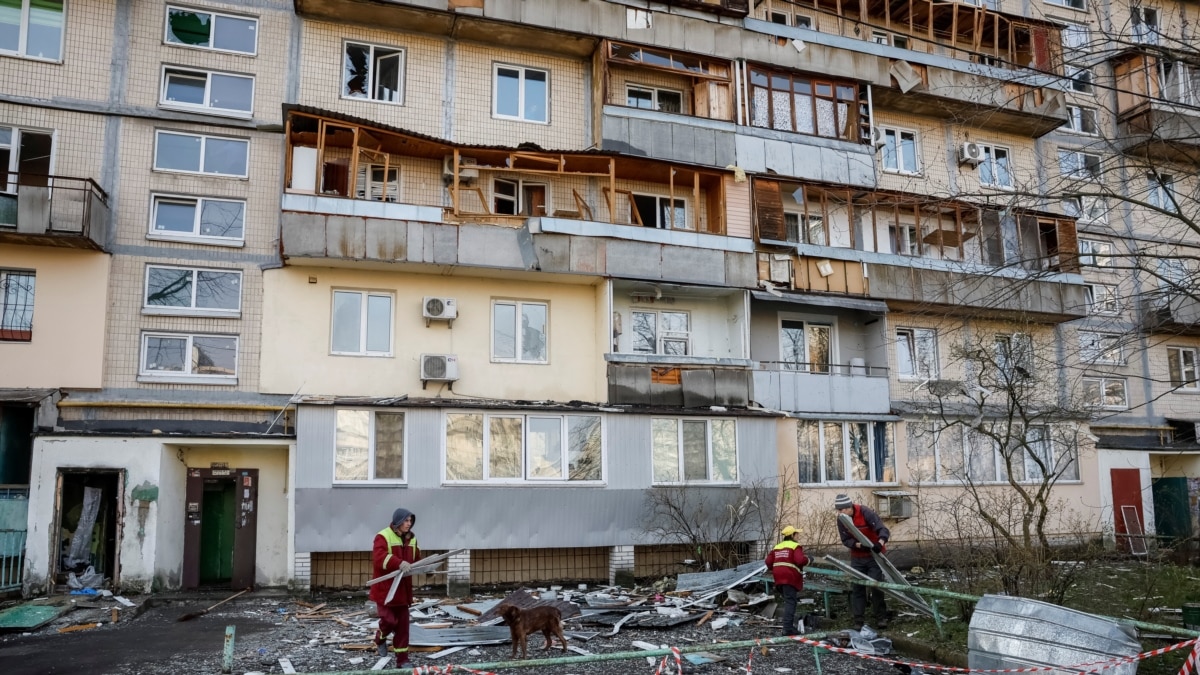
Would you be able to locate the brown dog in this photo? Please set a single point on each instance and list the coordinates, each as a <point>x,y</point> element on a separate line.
<point>521,622</point>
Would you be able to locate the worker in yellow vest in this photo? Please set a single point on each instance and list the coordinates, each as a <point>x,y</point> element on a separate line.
<point>395,548</point>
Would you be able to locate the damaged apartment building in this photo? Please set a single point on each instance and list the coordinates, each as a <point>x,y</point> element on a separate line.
<point>512,264</point>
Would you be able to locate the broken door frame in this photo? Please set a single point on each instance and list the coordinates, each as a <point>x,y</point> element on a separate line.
<point>56,533</point>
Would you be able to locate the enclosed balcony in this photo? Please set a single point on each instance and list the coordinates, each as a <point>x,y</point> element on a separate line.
<point>678,346</point>
<point>916,252</point>
<point>39,210</point>
<point>1175,313</point>
<point>819,354</point>
<point>1158,106</point>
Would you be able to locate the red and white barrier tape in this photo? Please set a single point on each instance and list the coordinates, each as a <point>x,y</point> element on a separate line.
<point>1189,664</point>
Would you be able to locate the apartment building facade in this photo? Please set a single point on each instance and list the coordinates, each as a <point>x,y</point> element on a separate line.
<point>515,264</point>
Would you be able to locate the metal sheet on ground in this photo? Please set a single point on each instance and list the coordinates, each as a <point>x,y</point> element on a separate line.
<point>524,599</point>
<point>918,604</point>
<point>449,637</point>
<point>29,616</point>
<point>1009,632</point>
<point>700,583</point>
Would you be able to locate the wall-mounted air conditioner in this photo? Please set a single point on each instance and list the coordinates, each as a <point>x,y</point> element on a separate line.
<point>464,175</point>
<point>877,138</point>
<point>970,153</point>
<point>438,368</point>
<point>439,309</point>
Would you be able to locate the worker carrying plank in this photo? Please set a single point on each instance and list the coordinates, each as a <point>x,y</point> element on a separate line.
<point>862,558</point>
<point>395,549</point>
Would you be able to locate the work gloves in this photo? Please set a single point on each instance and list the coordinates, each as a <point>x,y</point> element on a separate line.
<point>877,547</point>
<point>404,567</point>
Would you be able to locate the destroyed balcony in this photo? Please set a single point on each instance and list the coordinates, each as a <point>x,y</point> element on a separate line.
<point>914,252</point>
<point>54,211</point>
<point>675,345</point>
<point>818,353</point>
<point>1158,106</point>
<point>1172,313</point>
<point>1012,90</point>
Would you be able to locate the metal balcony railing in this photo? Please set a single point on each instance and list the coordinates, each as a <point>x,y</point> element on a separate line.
<point>55,206</point>
<point>832,369</point>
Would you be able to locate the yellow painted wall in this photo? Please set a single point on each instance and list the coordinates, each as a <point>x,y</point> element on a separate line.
<point>70,296</point>
<point>296,337</point>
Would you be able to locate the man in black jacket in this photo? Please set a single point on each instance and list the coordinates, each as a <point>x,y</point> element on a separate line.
<point>861,560</point>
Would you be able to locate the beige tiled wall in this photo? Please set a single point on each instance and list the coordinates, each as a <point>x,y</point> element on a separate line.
<point>85,70</point>
<point>78,137</point>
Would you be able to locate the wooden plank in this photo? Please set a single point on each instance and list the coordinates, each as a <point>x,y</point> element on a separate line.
<point>76,629</point>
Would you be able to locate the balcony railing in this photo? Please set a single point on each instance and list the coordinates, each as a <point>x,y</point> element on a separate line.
<point>832,369</point>
<point>822,387</point>
<point>55,211</point>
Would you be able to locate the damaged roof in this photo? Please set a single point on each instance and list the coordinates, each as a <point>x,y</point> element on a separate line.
<point>517,404</point>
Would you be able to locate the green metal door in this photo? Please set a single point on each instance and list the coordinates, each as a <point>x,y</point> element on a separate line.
<point>1172,518</point>
<point>216,532</point>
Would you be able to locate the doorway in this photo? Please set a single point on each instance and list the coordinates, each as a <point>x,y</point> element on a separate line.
<point>88,523</point>
<point>220,528</point>
<point>1172,510</point>
<point>1126,492</point>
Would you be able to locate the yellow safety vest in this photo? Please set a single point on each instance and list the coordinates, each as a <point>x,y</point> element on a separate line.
<point>787,543</point>
<point>389,535</point>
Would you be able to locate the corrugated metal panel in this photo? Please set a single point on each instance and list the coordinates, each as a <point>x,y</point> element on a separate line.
<point>758,459</point>
<point>1011,632</point>
<point>628,446</point>
<point>315,435</point>
<point>425,428</point>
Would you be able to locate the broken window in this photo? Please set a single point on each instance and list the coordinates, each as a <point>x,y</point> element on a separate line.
<point>369,446</point>
<point>516,448</point>
<point>1105,392</point>
<point>1102,299</point>
<point>654,98</point>
<point>802,104</point>
<point>835,452</point>
<point>1160,192</point>
<point>657,211</point>
<point>1095,253</point>
<point>177,355</point>
<point>1101,348</point>
<point>374,73</point>
<point>25,157</point>
<point>16,305</point>
<point>1182,367</point>
<point>519,332</point>
<point>513,197</point>
<point>220,93</point>
<point>694,450</point>
<point>995,170</point>
<point>916,353</point>
<point>210,30</point>
<point>32,28</point>
<point>1078,165</point>
<point>198,290</point>
<point>1014,355</point>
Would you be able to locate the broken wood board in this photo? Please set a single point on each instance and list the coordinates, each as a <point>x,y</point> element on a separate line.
<point>75,629</point>
<point>382,663</point>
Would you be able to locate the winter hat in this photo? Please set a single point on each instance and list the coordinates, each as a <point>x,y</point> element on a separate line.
<point>842,502</point>
<point>400,514</point>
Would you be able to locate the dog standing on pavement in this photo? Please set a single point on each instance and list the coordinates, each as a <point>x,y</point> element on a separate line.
<point>545,619</point>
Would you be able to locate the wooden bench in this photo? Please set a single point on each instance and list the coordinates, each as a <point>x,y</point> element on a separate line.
<point>827,590</point>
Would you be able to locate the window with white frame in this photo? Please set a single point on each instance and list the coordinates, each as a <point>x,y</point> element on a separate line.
<point>1014,355</point>
<point>1102,299</point>
<point>1105,392</point>
<point>1173,276</point>
<point>1076,37</point>
<point>520,332</point>
<point>207,219</point>
<point>369,446</point>
<point>690,450</point>
<point>378,183</point>
<point>1101,347</point>
<point>1079,165</point>
<point>916,353</point>
<point>1144,22</point>
<point>192,357</point>
<point>958,452</point>
<point>26,157</point>
<point>32,28</point>
<point>995,170</point>
<point>654,98</point>
<point>880,37</point>
<point>1179,81</point>
<point>374,73</point>
<point>523,448</point>
<point>1160,192</point>
<point>1071,4</point>
<point>1182,367</point>
<point>784,17</point>
<point>657,211</point>
<point>521,93</point>
<point>1082,120</point>
<point>16,305</point>
<point>836,452</point>
<point>1086,209</point>
<point>661,332</point>
<point>805,228</point>
<point>806,345</point>
<point>198,153</point>
<point>361,323</point>
<point>207,91</point>
<point>900,151</point>
<point>1095,253</point>
<point>190,290</point>
<point>518,197</point>
<point>211,30</point>
<point>1080,79</point>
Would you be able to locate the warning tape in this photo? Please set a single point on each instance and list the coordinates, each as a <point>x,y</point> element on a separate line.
<point>1189,664</point>
<point>1083,668</point>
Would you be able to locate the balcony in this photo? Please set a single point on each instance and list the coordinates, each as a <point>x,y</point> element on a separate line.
<point>55,211</point>
<point>915,252</point>
<point>1158,107</point>
<point>823,388</point>
<point>1174,313</point>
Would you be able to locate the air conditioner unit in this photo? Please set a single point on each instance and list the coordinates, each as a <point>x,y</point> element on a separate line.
<point>439,309</point>
<point>877,138</point>
<point>439,368</point>
<point>894,504</point>
<point>464,175</point>
<point>970,153</point>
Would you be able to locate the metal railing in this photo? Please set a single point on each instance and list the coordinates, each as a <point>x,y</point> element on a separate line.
<point>838,369</point>
<point>55,205</point>
<point>12,559</point>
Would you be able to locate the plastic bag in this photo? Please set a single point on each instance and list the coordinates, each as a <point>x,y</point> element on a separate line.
<point>89,579</point>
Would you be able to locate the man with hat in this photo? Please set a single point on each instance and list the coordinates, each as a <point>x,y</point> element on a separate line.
<point>862,560</point>
<point>394,548</point>
<point>786,562</point>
